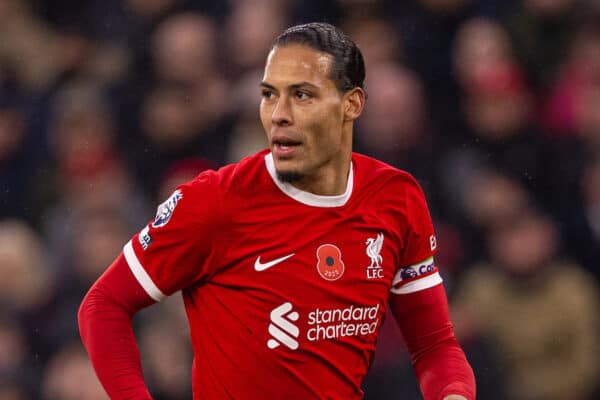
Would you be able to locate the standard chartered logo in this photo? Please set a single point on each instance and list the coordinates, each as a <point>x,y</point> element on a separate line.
<point>340,322</point>
<point>322,324</point>
<point>281,329</point>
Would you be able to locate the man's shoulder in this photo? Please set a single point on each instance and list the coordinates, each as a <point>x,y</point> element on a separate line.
<point>244,172</point>
<point>239,177</point>
<point>229,177</point>
<point>373,171</point>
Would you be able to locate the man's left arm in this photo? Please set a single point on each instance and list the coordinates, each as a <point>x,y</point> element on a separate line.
<point>440,364</point>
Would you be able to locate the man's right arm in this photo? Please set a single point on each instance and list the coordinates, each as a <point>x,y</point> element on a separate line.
<point>105,327</point>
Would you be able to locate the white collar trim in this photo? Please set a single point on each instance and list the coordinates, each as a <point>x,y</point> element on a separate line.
<point>308,198</point>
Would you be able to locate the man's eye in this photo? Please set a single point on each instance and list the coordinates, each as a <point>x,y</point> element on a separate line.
<point>267,94</point>
<point>302,95</point>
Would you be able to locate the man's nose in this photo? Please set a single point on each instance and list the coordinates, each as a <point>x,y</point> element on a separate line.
<point>282,113</point>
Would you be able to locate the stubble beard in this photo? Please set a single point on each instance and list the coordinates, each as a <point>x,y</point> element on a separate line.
<point>289,176</point>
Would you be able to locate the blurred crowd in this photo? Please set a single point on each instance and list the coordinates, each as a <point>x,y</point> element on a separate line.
<point>493,105</point>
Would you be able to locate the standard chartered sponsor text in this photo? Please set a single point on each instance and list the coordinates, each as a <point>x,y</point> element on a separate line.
<point>340,322</point>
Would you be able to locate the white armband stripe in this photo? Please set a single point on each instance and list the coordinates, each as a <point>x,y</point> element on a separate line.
<point>419,284</point>
<point>140,273</point>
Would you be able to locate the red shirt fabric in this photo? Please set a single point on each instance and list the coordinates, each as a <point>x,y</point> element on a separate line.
<point>285,290</point>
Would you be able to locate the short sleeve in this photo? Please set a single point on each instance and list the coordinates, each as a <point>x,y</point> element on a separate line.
<point>417,269</point>
<point>172,252</point>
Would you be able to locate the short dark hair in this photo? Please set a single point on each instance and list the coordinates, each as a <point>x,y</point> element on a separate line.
<point>348,66</point>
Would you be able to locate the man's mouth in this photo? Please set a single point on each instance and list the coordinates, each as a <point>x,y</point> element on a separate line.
<point>285,142</point>
<point>283,147</point>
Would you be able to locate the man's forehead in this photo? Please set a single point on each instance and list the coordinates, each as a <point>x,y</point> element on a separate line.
<point>297,61</point>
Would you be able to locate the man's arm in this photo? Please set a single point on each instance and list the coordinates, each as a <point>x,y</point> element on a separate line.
<point>105,327</point>
<point>440,365</point>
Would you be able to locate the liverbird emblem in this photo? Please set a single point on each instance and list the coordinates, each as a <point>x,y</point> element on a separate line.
<point>374,249</point>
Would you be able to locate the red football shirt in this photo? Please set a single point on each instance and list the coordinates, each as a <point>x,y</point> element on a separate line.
<point>285,290</point>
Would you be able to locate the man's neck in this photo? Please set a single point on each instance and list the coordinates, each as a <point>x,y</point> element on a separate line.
<point>329,182</point>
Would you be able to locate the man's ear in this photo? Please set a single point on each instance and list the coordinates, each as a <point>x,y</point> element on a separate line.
<point>354,102</point>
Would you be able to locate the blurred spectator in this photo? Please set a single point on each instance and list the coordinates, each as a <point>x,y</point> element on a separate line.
<point>394,119</point>
<point>485,200</point>
<point>184,48</point>
<point>173,129</point>
<point>98,234</point>
<point>169,119</point>
<point>541,31</point>
<point>16,369</point>
<point>394,127</point>
<point>494,199</point>
<point>570,108</point>
<point>29,48</point>
<point>247,36</point>
<point>89,169</point>
<point>247,133</point>
<point>498,130</point>
<point>41,55</point>
<point>428,29</point>
<point>25,281</point>
<point>70,376</point>
<point>247,138</point>
<point>498,103</point>
<point>93,206</point>
<point>367,32</point>
<point>480,44</point>
<point>26,287</point>
<point>540,312</point>
<point>81,251</point>
<point>89,172</point>
<point>82,134</point>
<point>182,111</point>
<point>571,120</point>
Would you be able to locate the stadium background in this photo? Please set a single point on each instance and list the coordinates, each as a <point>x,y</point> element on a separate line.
<point>105,105</point>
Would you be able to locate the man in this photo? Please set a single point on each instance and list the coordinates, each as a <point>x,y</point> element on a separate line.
<point>288,260</point>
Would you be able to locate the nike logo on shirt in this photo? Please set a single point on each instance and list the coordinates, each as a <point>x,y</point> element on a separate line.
<point>264,266</point>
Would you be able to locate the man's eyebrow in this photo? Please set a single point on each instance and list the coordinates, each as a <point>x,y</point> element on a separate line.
<point>305,84</point>
<point>266,85</point>
<point>295,86</point>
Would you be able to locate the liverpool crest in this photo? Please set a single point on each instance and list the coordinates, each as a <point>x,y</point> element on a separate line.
<point>374,245</point>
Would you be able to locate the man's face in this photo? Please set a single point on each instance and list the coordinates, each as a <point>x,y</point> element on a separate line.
<point>302,113</point>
